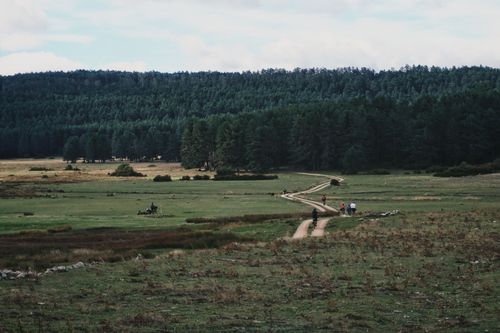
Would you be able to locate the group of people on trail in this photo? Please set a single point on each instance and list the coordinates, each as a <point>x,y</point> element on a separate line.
<point>350,209</point>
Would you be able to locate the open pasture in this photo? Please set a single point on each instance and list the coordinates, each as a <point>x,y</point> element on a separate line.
<point>433,267</point>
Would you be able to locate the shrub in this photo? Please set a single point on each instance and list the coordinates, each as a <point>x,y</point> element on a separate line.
<point>69,167</point>
<point>185,178</point>
<point>245,177</point>
<point>40,169</point>
<point>334,182</point>
<point>160,178</point>
<point>125,170</point>
<point>201,177</point>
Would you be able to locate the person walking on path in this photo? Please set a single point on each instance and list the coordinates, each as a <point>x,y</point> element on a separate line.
<point>342,208</point>
<point>348,208</point>
<point>314,217</point>
<point>323,199</point>
<point>353,207</point>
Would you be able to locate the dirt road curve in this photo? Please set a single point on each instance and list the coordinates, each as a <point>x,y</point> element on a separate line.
<point>319,231</point>
<point>301,231</point>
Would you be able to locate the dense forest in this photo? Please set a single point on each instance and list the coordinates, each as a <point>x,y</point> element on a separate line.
<point>314,119</point>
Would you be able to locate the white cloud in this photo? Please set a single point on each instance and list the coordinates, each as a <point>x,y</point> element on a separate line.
<point>239,35</point>
<point>22,16</point>
<point>24,25</point>
<point>231,35</point>
<point>26,62</point>
<point>28,41</point>
<point>129,66</point>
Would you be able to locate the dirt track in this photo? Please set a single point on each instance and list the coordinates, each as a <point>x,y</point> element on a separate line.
<point>319,231</point>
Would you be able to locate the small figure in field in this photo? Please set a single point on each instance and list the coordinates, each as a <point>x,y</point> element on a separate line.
<point>314,217</point>
<point>342,208</point>
<point>353,207</point>
<point>152,209</point>
<point>348,208</point>
<point>285,191</point>
<point>323,199</point>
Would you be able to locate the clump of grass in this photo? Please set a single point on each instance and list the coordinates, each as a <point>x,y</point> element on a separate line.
<point>185,178</point>
<point>40,169</point>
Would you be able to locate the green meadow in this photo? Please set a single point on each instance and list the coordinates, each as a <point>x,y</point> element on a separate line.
<point>116,203</point>
<point>434,267</point>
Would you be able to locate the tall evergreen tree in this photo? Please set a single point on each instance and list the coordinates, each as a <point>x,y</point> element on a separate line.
<point>72,151</point>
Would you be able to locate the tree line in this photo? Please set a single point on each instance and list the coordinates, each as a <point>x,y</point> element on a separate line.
<point>350,135</point>
<point>309,118</point>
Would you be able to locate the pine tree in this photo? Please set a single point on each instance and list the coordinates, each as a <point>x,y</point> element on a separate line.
<point>72,151</point>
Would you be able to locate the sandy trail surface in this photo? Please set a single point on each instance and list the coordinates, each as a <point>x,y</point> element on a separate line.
<point>319,231</point>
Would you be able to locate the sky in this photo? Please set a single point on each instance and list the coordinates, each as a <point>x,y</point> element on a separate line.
<point>241,35</point>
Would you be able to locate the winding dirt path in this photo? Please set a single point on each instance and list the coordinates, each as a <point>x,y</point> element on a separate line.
<point>319,231</point>
<point>301,231</point>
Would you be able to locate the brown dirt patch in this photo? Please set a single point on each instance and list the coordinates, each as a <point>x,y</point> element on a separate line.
<point>17,170</point>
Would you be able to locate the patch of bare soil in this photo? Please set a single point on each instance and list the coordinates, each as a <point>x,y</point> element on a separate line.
<point>18,170</point>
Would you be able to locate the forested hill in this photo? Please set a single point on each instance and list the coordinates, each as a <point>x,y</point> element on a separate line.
<point>97,96</point>
<point>149,112</point>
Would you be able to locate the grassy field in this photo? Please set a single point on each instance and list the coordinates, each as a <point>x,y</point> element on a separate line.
<point>414,193</point>
<point>434,267</point>
<point>112,203</point>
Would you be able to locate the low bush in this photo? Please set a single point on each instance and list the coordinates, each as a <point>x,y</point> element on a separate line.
<point>125,170</point>
<point>160,178</point>
<point>245,177</point>
<point>201,177</point>
<point>185,178</point>
<point>40,169</point>
<point>69,167</point>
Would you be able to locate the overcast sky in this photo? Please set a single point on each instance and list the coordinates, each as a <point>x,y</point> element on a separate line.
<point>238,35</point>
